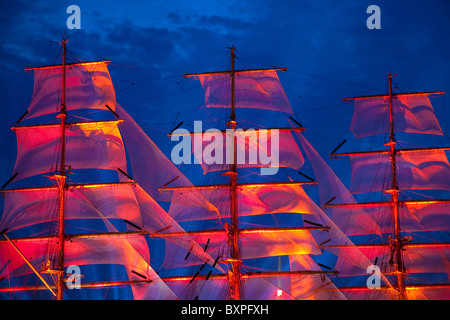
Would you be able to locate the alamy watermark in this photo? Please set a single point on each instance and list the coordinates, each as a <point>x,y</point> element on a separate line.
<point>74,20</point>
<point>374,281</point>
<point>214,147</point>
<point>374,21</point>
<point>74,280</point>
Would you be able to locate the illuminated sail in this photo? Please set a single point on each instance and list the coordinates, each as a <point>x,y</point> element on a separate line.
<point>316,233</point>
<point>252,200</point>
<point>88,86</point>
<point>39,205</point>
<point>418,170</point>
<point>255,243</point>
<point>89,145</point>
<point>256,89</point>
<point>254,149</point>
<point>413,113</point>
<point>151,167</point>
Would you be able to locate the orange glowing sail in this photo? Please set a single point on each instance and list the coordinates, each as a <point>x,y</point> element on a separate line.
<point>89,145</point>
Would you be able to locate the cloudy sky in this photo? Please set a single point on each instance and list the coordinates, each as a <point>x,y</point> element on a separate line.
<point>329,51</point>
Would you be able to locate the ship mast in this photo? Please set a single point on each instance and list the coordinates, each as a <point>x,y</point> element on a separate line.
<point>235,275</point>
<point>396,243</point>
<point>55,265</point>
<point>233,234</point>
<point>62,179</point>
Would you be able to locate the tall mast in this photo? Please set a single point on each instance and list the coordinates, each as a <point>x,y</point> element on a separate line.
<point>396,245</point>
<point>235,292</point>
<point>62,179</point>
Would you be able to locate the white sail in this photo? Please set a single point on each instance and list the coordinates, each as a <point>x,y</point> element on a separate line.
<point>89,145</point>
<point>88,86</point>
<point>413,113</point>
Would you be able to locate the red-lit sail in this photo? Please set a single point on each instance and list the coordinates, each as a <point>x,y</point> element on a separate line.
<point>413,113</point>
<point>90,145</point>
<point>88,86</point>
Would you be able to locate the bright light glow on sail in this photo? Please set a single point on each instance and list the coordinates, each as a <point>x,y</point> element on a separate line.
<point>88,86</point>
<point>96,145</point>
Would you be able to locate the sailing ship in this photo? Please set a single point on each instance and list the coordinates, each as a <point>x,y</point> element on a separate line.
<point>273,241</point>
<point>75,223</point>
<point>109,216</point>
<point>399,190</point>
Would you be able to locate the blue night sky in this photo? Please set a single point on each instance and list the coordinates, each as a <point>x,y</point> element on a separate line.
<point>326,46</point>
<point>329,51</point>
